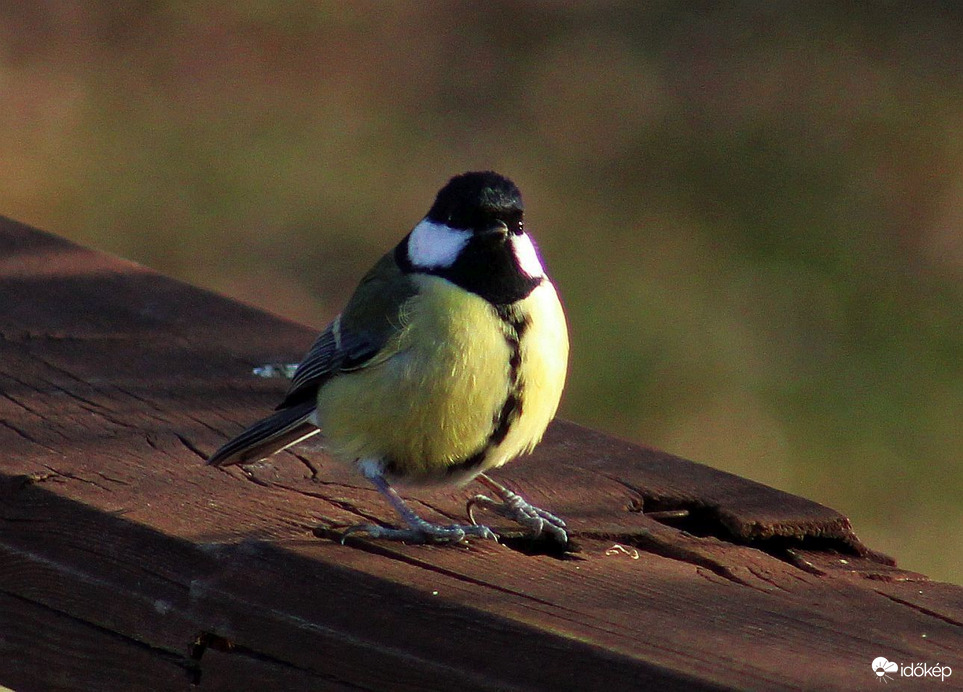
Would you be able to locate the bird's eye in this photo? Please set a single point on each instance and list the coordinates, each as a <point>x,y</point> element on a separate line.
<point>515,222</point>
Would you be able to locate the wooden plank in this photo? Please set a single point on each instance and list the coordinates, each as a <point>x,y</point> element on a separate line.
<point>115,382</point>
<point>46,650</point>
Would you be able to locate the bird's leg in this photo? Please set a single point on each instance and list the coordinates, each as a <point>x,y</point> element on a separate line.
<point>419,530</point>
<point>515,507</point>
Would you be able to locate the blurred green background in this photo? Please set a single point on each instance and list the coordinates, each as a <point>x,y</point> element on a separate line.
<point>753,210</point>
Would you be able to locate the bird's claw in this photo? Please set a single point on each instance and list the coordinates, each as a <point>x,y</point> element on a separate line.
<point>519,510</point>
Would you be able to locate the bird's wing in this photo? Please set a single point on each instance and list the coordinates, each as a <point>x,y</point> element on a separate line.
<point>268,436</point>
<point>358,337</point>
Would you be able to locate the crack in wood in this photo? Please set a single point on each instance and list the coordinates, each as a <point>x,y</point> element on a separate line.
<point>111,479</point>
<point>38,414</point>
<point>340,503</point>
<point>386,550</point>
<point>795,558</point>
<point>17,402</point>
<point>704,520</point>
<point>55,474</point>
<point>27,436</point>
<point>151,439</point>
<point>136,397</point>
<point>28,335</point>
<point>163,412</point>
<point>63,371</point>
<point>666,547</point>
<point>101,411</point>
<point>172,657</point>
<point>108,392</point>
<point>344,637</point>
<point>205,641</point>
<point>202,642</point>
<point>91,405</point>
<point>191,446</point>
<point>307,462</point>
<point>921,609</point>
<point>71,476</point>
<point>763,577</point>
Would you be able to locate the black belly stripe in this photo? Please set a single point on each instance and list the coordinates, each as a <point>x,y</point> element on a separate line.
<point>511,409</point>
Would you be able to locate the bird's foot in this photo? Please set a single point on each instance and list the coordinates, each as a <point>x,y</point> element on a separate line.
<point>513,506</point>
<point>422,532</point>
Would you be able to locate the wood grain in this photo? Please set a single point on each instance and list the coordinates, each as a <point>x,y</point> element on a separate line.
<point>127,563</point>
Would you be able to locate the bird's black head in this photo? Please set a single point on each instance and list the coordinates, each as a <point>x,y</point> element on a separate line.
<point>477,200</point>
<point>474,236</point>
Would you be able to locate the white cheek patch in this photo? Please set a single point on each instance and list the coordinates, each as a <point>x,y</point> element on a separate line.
<point>527,256</point>
<point>434,245</point>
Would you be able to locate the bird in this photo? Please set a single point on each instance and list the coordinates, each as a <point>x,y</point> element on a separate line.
<point>448,360</point>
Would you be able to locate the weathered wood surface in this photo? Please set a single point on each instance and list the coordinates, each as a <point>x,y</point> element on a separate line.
<point>127,564</point>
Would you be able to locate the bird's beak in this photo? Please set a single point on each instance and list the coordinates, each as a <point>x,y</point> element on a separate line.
<point>497,228</point>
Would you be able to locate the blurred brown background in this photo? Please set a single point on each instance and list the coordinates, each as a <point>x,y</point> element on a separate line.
<point>753,210</point>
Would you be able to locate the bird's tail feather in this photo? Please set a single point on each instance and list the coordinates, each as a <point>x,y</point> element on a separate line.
<point>268,436</point>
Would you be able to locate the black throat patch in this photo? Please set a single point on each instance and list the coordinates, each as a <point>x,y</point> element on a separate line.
<point>486,267</point>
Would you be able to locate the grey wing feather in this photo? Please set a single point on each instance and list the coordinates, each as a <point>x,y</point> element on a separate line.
<point>335,350</point>
<point>319,361</point>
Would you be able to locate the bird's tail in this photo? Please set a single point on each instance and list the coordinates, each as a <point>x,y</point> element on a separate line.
<point>268,436</point>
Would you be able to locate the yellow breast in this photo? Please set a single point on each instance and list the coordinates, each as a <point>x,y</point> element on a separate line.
<point>431,404</point>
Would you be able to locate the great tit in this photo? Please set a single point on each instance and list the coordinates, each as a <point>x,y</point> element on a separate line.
<point>448,360</point>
